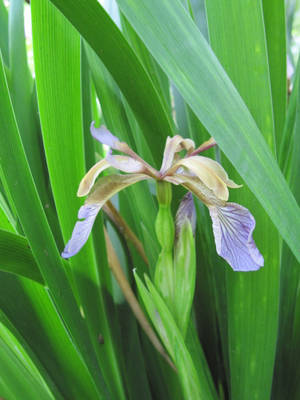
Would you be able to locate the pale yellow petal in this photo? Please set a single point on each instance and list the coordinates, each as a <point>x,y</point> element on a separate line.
<point>198,188</point>
<point>173,146</point>
<point>219,171</point>
<point>108,186</point>
<point>89,179</point>
<point>126,164</point>
<point>206,174</point>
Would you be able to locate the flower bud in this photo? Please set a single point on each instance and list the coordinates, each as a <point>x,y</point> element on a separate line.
<point>184,263</point>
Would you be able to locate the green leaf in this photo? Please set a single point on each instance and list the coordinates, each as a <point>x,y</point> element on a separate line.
<point>16,257</point>
<point>252,299</point>
<point>7,221</point>
<point>18,372</point>
<point>287,140</point>
<point>194,383</point>
<point>57,44</point>
<point>21,92</point>
<point>32,317</point>
<point>274,21</point>
<point>286,382</point>
<point>158,77</point>
<point>22,189</point>
<point>4,32</point>
<point>90,19</point>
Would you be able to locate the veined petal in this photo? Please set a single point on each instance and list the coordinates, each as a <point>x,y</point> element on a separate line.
<point>108,186</point>
<point>233,226</point>
<point>209,172</point>
<point>81,230</point>
<point>197,187</point>
<point>173,146</point>
<point>104,189</point>
<point>125,163</point>
<point>89,179</point>
<point>186,211</point>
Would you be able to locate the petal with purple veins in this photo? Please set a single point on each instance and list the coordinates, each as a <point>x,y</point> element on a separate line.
<point>233,226</point>
<point>103,190</point>
<point>81,230</point>
<point>186,211</point>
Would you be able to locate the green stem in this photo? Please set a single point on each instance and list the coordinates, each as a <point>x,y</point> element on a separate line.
<point>164,227</point>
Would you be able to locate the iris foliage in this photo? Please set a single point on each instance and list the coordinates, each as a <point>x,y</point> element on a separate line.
<point>147,309</point>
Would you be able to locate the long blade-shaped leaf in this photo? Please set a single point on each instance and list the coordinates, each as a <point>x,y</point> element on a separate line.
<point>92,22</point>
<point>19,372</point>
<point>274,21</point>
<point>29,309</point>
<point>29,208</point>
<point>57,44</point>
<point>16,257</point>
<point>4,32</point>
<point>252,325</point>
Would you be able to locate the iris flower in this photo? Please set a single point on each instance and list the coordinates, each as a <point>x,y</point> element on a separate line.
<point>232,223</point>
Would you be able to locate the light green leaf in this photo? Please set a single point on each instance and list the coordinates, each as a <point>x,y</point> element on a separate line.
<point>194,383</point>
<point>16,257</point>
<point>90,19</point>
<point>19,374</point>
<point>21,187</point>
<point>274,22</point>
<point>4,32</point>
<point>57,44</point>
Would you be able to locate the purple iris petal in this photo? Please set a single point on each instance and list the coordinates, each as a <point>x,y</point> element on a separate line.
<point>81,230</point>
<point>233,226</point>
<point>186,211</point>
<point>104,136</point>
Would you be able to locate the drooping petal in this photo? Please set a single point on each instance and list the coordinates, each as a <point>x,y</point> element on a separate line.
<point>125,163</point>
<point>89,179</point>
<point>186,211</point>
<point>81,230</point>
<point>108,186</point>
<point>103,190</point>
<point>211,173</point>
<point>197,187</point>
<point>233,226</point>
<point>173,146</point>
